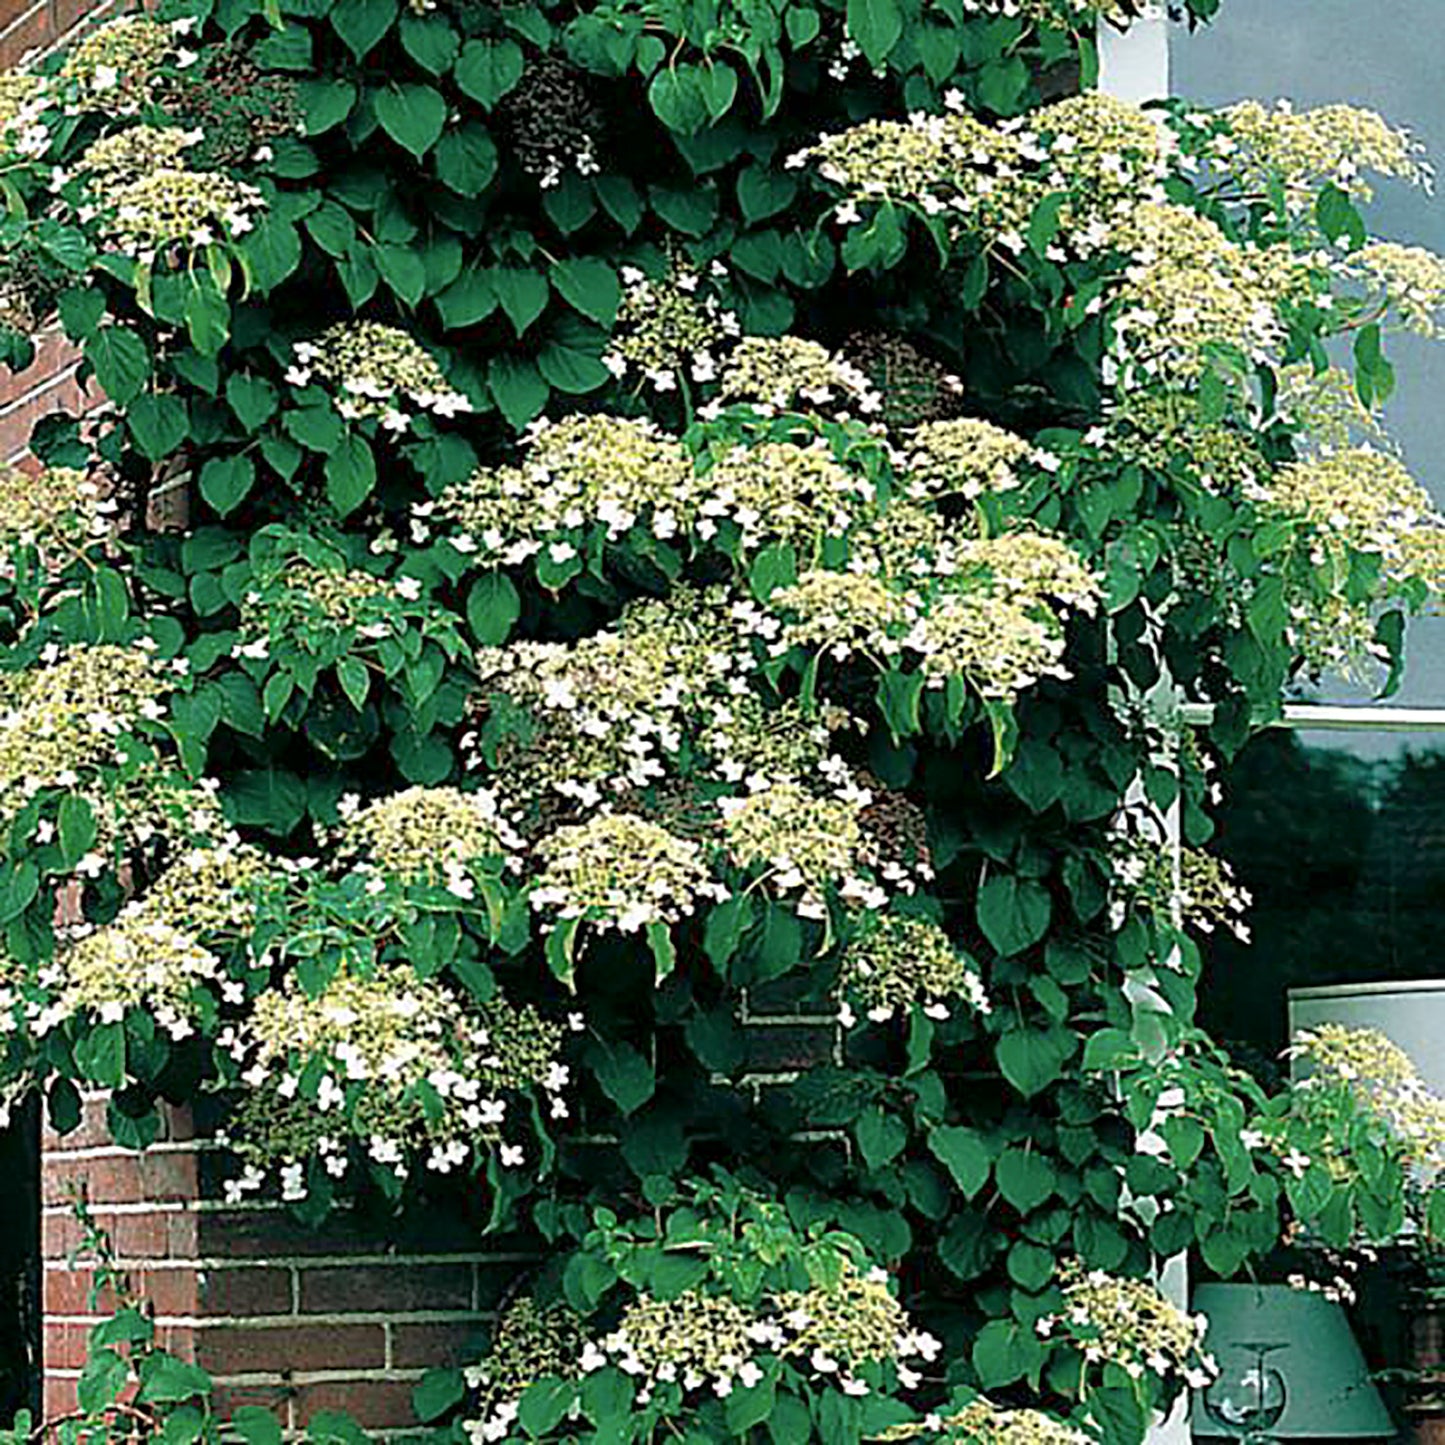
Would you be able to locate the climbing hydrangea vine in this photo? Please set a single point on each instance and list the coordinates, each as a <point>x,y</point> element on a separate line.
<point>687,507</point>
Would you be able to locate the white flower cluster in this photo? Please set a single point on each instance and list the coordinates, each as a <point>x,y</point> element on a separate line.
<point>377,371</point>
<point>610,712</point>
<point>1185,886</point>
<point>801,843</point>
<point>702,1343</point>
<point>382,1065</point>
<point>785,373</point>
<point>140,961</point>
<point>670,329</point>
<point>582,472</point>
<point>435,835</point>
<point>1129,1323</point>
<point>898,962</point>
<point>619,871</point>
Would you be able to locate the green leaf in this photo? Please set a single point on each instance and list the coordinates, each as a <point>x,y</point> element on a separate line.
<point>1032,1059</point>
<point>1003,83</point>
<point>560,950</point>
<point>81,309</point>
<point>466,159</point>
<point>750,1406</point>
<point>226,481</point>
<point>103,1378</point>
<point>543,1405</point>
<point>318,428</point>
<point>518,389</point>
<point>1013,912</point>
<point>763,193</point>
<point>717,83</point>
<point>100,1055</point>
<point>362,23</point>
<point>256,1425</point>
<point>158,422</point>
<point>570,370</point>
<point>493,606</point>
<point>412,115</point>
<point>122,363</point>
<point>620,200</point>
<point>274,252</point>
<point>724,930</point>
<point>589,286</point>
<point>77,828</point>
<point>664,951</point>
<point>469,299</point>
<point>790,1423</point>
<point>268,798</point>
<point>624,1075</point>
<point>436,1392</point>
<point>1025,1178</point>
<point>487,70</point>
<point>881,1136</point>
<point>876,26</point>
<point>325,103</point>
<point>252,398</point>
<point>964,1154</point>
<point>691,211</point>
<point>523,294</point>
<point>430,41</point>
<point>1338,218</point>
<point>1004,1351</point>
<point>355,680</point>
<point>167,1380</point>
<point>571,203</point>
<point>677,99</point>
<point>403,270</point>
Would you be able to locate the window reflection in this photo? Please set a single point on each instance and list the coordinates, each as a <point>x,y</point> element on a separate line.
<point>1341,840</point>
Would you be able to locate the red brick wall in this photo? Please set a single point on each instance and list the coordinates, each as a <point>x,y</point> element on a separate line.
<point>32,27</point>
<point>291,1318</point>
<point>49,386</point>
<point>35,26</point>
<point>281,1315</point>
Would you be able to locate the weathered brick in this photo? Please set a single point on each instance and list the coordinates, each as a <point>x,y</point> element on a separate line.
<point>66,1345</point>
<point>60,1234</point>
<point>106,1181</point>
<point>169,1291</point>
<point>268,1233</point>
<point>91,1133</point>
<point>242,1292</point>
<point>422,1346</point>
<point>779,1048</point>
<point>142,1236</point>
<point>59,1397</point>
<point>289,1348</point>
<point>348,1289</point>
<point>274,1397</point>
<point>375,1404</point>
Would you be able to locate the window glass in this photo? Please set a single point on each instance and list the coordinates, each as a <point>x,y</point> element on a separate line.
<point>1340,838</point>
<point>1316,52</point>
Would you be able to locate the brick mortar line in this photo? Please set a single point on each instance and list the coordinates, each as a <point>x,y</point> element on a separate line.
<point>20,19</point>
<point>114,1151</point>
<point>360,1374</point>
<point>128,1210</point>
<point>46,384</point>
<point>302,1262</point>
<point>259,1324</point>
<point>82,22</point>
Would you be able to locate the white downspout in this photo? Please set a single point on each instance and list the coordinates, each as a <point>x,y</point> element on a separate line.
<point>1134,66</point>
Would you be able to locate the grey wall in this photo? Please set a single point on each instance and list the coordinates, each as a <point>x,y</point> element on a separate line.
<point>1388,55</point>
